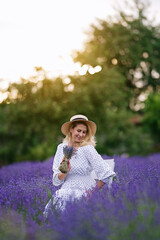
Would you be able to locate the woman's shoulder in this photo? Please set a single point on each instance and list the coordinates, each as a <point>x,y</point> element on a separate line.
<point>88,147</point>
<point>61,145</point>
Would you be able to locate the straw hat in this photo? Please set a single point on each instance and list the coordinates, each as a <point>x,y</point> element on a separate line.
<point>65,127</point>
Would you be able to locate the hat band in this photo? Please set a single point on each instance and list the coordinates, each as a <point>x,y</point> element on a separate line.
<point>79,119</point>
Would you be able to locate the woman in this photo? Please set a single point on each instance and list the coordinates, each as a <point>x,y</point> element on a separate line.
<point>77,182</point>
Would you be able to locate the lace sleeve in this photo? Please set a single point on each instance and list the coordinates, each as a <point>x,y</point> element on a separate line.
<point>101,168</point>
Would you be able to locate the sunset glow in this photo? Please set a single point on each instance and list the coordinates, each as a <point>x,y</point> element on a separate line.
<point>44,33</point>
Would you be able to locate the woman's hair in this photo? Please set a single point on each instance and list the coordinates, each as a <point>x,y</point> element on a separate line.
<point>89,139</point>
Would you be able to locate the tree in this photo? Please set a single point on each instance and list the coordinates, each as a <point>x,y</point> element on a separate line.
<point>131,45</point>
<point>122,61</point>
<point>152,118</point>
<point>32,114</point>
<point>104,97</point>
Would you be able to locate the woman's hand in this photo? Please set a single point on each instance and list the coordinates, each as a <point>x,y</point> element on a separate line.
<point>90,192</point>
<point>99,185</point>
<point>62,176</point>
<point>69,164</point>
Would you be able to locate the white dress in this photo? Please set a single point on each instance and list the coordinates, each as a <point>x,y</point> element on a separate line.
<point>79,178</point>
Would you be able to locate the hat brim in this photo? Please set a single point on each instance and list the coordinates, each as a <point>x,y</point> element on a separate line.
<point>66,126</point>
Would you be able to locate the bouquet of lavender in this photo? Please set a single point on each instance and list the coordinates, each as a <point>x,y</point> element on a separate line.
<point>68,153</point>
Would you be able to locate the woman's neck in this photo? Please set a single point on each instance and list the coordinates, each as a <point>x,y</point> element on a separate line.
<point>75,144</point>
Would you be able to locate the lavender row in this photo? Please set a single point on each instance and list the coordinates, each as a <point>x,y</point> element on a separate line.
<point>129,210</point>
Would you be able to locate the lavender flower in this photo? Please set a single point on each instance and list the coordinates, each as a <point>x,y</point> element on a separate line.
<point>68,153</point>
<point>130,209</point>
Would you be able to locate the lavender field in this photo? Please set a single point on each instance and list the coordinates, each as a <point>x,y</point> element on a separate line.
<point>129,210</point>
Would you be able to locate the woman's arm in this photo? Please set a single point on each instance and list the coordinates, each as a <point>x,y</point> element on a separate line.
<point>62,176</point>
<point>102,170</point>
<point>58,177</point>
<point>100,184</point>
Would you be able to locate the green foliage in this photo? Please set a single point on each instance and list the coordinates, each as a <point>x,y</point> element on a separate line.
<point>152,118</point>
<point>12,227</point>
<point>121,136</point>
<point>130,44</point>
<point>104,97</point>
<point>30,130</point>
<point>140,227</point>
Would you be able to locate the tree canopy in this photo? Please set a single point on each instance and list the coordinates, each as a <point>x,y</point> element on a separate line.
<point>119,91</point>
<point>131,45</point>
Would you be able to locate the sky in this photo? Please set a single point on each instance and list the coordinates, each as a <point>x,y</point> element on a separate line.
<point>36,33</point>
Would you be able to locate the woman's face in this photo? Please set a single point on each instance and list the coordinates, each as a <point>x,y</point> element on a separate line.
<point>78,133</point>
